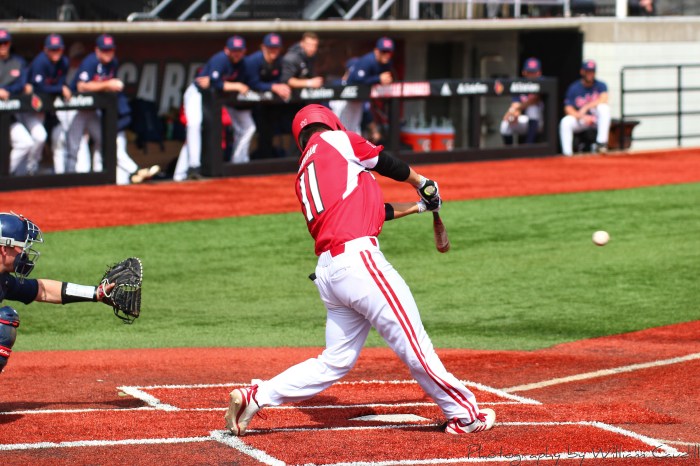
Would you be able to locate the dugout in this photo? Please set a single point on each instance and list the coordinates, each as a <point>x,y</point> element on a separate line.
<point>158,60</point>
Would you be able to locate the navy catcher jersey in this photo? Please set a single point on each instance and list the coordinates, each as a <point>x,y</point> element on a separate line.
<point>12,289</point>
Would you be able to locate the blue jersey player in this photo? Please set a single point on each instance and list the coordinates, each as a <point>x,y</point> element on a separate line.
<point>524,117</point>
<point>98,73</point>
<point>586,106</point>
<point>374,67</point>
<point>264,69</point>
<point>223,72</point>
<point>46,76</point>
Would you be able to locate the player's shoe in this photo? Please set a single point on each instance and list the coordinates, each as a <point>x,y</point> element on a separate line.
<point>144,174</point>
<point>241,409</point>
<point>484,421</point>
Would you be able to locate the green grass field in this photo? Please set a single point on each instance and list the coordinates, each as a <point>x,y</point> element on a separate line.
<point>522,274</point>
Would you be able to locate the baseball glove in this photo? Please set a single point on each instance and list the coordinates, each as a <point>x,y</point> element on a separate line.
<point>125,297</point>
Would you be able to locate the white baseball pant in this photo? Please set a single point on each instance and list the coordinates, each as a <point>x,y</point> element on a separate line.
<point>22,143</point>
<point>182,164</point>
<point>34,122</point>
<point>360,290</point>
<point>85,121</point>
<point>570,126</point>
<point>125,164</point>
<point>350,114</point>
<point>192,101</point>
<point>243,132</point>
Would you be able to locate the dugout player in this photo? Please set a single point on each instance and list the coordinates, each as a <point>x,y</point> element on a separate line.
<point>264,69</point>
<point>374,67</point>
<point>98,73</point>
<point>344,209</point>
<point>18,237</point>
<point>524,117</point>
<point>13,77</point>
<point>586,106</point>
<point>47,76</point>
<point>224,72</point>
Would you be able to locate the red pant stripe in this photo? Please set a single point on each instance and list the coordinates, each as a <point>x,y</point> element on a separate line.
<point>401,316</point>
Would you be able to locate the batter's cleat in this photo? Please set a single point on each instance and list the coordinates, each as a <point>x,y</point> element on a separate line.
<point>241,409</point>
<point>144,174</point>
<point>484,421</point>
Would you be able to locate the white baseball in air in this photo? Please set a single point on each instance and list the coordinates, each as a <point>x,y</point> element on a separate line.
<point>601,238</point>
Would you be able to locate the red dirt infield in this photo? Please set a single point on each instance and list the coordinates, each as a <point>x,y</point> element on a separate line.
<point>629,399</point>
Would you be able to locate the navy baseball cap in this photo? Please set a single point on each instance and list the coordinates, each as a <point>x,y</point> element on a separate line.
<point>235,43</point>
<point>54,42</point>
<point>532,65</point>
<point>384,44</point>
<point>272,40</point>
<point>5,36</point>
<point>588,65</point>
<point>106,42</point>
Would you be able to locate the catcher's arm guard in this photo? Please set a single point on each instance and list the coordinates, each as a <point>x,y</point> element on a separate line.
<point>125,295</point>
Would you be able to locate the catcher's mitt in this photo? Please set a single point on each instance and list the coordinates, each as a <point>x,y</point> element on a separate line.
<point>125,297</point>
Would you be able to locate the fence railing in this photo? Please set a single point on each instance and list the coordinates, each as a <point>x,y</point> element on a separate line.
<point>674,88</point>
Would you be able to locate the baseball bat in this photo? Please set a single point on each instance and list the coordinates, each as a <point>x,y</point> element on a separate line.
<point>442,242</point>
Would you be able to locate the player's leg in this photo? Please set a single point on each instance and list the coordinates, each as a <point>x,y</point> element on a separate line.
<point>603,114</point>
<point>243,132</point>
<point>34,122</point>
<point>192,101</point>
<point>182,164</point>
<point>506,131</point>
<point>21,142</point>
<point>125,164</point>
<point>346,332</point>
<point>9,321</point>
<point>94,130</point>
<point>351,116</point>
<point>75,133</point>
<point>567,127</point>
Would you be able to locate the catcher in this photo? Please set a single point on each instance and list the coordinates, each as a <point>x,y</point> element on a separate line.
<point>120,286</point>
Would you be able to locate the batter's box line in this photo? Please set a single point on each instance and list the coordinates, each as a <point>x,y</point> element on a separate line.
<point>659,449</point>
<point>140,393</point>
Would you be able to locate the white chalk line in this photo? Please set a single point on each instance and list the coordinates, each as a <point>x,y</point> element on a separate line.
<point>271,408</point>
<point>660,450</point>
<point>140,393</point>
<point>100,443</point>
<point>602,373</point>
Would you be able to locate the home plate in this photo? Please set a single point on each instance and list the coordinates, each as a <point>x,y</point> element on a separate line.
<point>393,418</point>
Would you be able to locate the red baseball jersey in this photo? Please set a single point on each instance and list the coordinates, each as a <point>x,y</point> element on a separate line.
<point>339,197</point>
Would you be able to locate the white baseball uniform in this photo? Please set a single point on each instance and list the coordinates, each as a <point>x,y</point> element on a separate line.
<point>344,209</point>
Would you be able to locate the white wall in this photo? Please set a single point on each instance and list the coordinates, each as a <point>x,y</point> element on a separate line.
<point>662,42</point>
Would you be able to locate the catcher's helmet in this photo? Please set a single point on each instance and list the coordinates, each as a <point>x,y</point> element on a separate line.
<point>18,231</point>
<point>314,113</point>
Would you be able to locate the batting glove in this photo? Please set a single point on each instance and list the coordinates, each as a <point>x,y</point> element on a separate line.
<point>428,190</point>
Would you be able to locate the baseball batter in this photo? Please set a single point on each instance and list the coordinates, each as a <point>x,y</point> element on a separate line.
<point>345,211</point>
<point>586,106</point>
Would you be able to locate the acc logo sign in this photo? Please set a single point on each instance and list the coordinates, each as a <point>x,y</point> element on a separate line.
<point>350,92</point>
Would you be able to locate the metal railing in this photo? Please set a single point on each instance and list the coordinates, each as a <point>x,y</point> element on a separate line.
<point>676,91</point>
